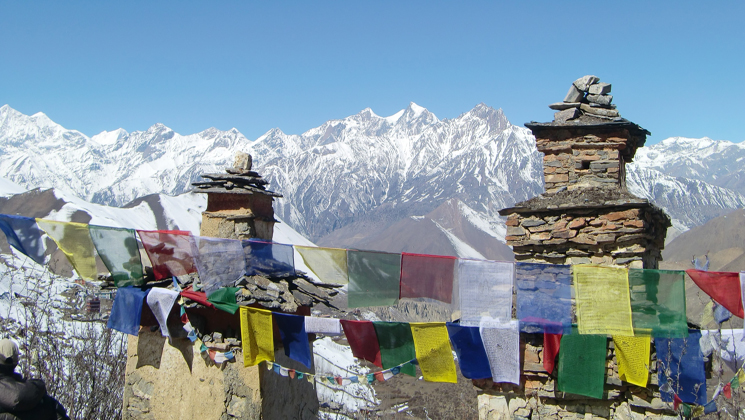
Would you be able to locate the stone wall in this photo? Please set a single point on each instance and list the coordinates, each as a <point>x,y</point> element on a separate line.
<point>238,216</point>
<point>630,237</point>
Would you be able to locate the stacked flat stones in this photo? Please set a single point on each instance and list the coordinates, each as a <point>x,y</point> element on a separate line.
<point>238,179</point>
<point>586,96</point>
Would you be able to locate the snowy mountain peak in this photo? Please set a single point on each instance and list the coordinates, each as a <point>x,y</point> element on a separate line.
<point>106,138</point>
<point>415,112</point>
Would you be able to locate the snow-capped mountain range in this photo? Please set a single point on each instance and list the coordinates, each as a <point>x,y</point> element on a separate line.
<point>350,179</point>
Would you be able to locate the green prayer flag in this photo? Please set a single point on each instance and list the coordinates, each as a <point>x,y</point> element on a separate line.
<point>685,410</point>
<point>374,278</point>
<point>658,302</point>
<point>224,299</point>
<point>582,364</point>
<point>118,250</point>
<point>735,382</point>
<point>396,345</point>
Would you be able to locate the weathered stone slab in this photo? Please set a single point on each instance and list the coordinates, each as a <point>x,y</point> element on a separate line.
<point>599,89</point>
<point>574,95</point>
<point>564,105</point>
<point>599,111</point>
<point>566,115</point>
<point>600,99</point>
<point>583,83</point>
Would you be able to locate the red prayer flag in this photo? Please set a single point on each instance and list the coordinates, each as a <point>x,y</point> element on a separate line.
<point>363,340</point>
<point>170,252</point>
<point>727,391</point>
<point>551,344</point>
<point>291,372</point>
<point>337,379</point>
<point>427,276</point>
<point>379,377</point>
<point>723,287</point>
<point>199,297</point>
<point>676,401</point>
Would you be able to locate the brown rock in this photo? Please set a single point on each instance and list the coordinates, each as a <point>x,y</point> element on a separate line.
<point>512,221</point>
<point>634,223</point>
<point>605,238</point>
<point>577,223</point>
<point>557,178</point>
<point>596,222</point>
<point>564,233</point>
<point>583,239</point>
<point>515,231</point>
<point>618,215</point>
<point>557,241</point>
<point>541,236</point>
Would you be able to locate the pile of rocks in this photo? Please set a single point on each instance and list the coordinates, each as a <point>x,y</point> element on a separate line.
<point>238,179</point>
<point>286,294</point>
<point>586,96</point>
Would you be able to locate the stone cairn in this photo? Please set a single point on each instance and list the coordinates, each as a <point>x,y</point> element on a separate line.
<point>586,96</point>
<point>238,179</point>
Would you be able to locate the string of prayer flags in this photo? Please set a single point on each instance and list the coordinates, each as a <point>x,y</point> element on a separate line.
<point>199,297</point>
<point>502,345</point>
<point>710,407</point>
<point>161,300</point>
<point>485,290</point>
<point>24,235</point>
<point>472,359</point>
<point>74,240</point>
<point>707,316</point>
<point>318,325</point>
<point>126,311</point>
<point>582,364</point>
<point>220,262</point>
<point>632,354</point>
<point>551,346</point>
<point>170,252</point>
<point>544,297</point>
<point>721,314</point>
<point>603,301</point>
<point>268,258</point>
<point>433,351</point>
<point>328,264</point>
<point>118,250</point>
<point>363,340</point>
<point>294,338</point>
<point>427,276</point>
<point>257,335</point>
<point>658,302</point>
<point>680,364</point>
<point>224,299</point>
<point>396,345</point>
<point>374,278</point>
<point>723,287</point>
<point>728,343</point>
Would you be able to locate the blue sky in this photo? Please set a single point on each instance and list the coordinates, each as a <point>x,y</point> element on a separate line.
<point>676,66</point>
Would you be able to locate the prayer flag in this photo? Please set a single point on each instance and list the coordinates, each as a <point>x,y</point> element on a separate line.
<point>723,287</point>
<point>363,340</point>
<point>220,262</point>
<point>118,250</point>
<point>224,299</point>
<point>632,354</point>
<point>126,311</point>
<point>24,235</point>
<point>551,346</point>
<point>544,298</point>
<point>742,288</point>
<point>396,345</point>
<point>294,337</point>
<point>603,302</point>
<point>199,297</point>
<point>427,276</point>
<point>474,364</point>
<point>433,352</point>
<point>75,241</point>
<point>727,391</point>
<point>582,364</point>
<point>658,302</point>
<point>170,252</point>
<point>710,407</point>
<point>728,343</point>
<point>318,325</point>
<point>328,264</point>
<point>268,258</point>
<point>502,345</point>
<point>735,381</point>
<point>161,300</point>
<point>374,278</point>
<point>257,336</point>
<point>485,290</point>
<point>681,365</point>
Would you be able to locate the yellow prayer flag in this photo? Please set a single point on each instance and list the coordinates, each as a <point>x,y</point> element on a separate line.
<point>707,316</point>
<point>632,354</point>
<point>603,301</point>
<point>328,264</point>
<point>257,336</point>
<point>741,376</point>
<point>433,352</point>
<point>698,411</point>
<point>75,241</point>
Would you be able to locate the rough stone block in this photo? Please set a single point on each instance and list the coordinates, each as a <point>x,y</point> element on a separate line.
<point>515,231</point>
<point>532,222</point>
<point>577,223</point>
<point>600,99</point>
<point>618,215</point>
<point>583,83</point>
<point>557,178</point>
<point>599,88</point>
<point>559,106</point>
<point>574,95</point>
<point>583,239</point>
<point>612,113</point>
<point>566,115</point>
<point>564,233</point>
<point>540,236</point>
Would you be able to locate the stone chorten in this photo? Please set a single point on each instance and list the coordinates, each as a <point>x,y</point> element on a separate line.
<point>586,214</point>
<point>238,204</point>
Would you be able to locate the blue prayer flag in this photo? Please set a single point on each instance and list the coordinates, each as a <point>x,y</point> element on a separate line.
<point>681,365</point>
<point>294,337</point>
<point>268,258</point>
<point>24,235</point>
<point>468,346</point>
<point>126,311</point>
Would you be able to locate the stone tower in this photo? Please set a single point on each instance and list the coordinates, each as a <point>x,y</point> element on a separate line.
<point>586,214</point>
